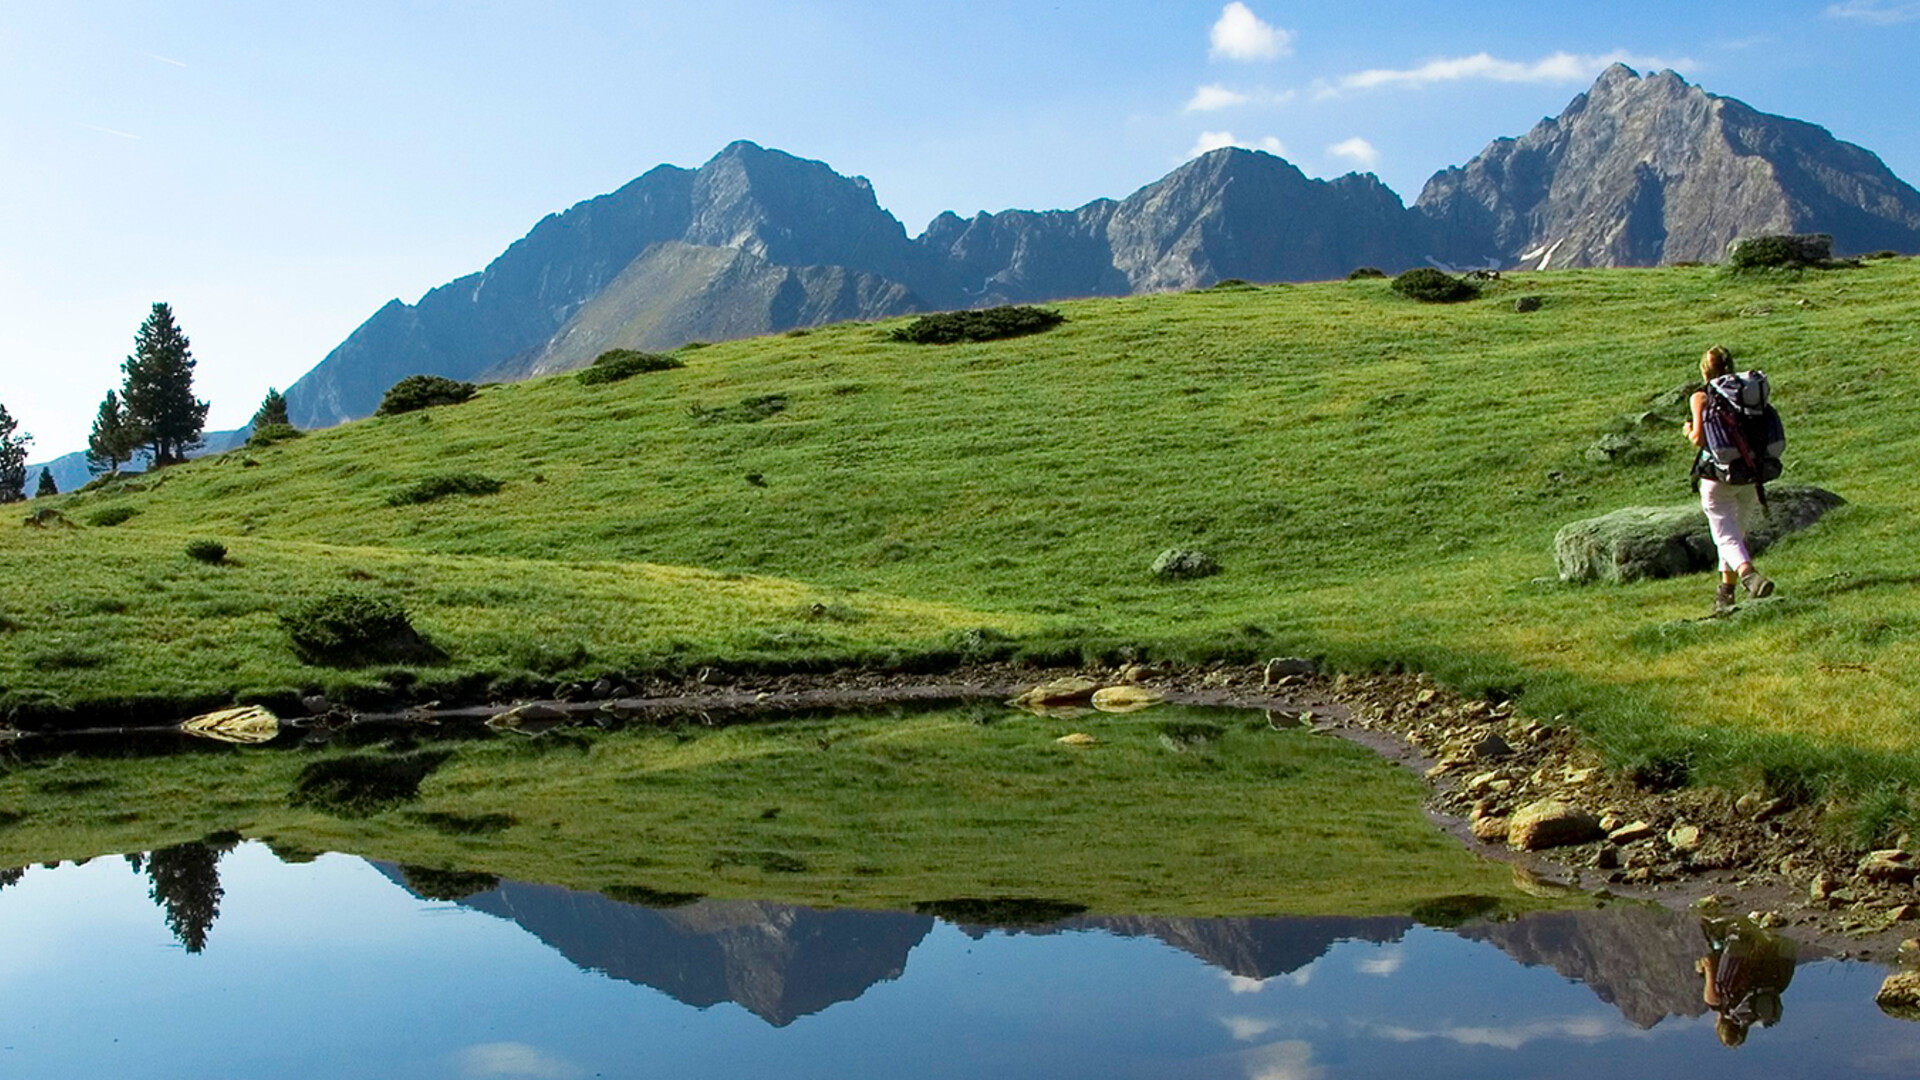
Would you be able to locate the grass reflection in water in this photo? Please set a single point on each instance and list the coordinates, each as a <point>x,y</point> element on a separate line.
<point>876,811</point>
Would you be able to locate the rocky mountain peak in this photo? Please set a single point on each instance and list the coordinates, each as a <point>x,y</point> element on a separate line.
<point>791,210</point>
<point>1643,170</point>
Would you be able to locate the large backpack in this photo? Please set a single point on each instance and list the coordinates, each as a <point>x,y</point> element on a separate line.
<point>1743,432</point>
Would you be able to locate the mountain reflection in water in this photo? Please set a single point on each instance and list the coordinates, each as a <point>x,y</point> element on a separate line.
<point>337,967</point>
<point>781,962</point>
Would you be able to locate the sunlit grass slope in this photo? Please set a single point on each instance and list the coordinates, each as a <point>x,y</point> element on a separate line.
<point>885,811</point>
<point>1380,479</point>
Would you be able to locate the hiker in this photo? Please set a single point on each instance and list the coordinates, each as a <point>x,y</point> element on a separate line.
<point>1732,500</point>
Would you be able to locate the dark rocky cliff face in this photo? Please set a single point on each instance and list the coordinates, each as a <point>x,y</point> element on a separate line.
<point>1642,171</point>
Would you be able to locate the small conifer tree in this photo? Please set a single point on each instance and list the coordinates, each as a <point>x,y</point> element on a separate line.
<point>47,486</point>
<point>114,437</point>
<point>272,412</point>
<point>13,459</point>
<point>159,388</point>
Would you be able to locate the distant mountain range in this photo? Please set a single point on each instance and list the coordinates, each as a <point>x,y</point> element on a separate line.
<point>1637,171</point>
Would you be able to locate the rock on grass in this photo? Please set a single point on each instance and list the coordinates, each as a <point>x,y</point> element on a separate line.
<point>1642,542</point>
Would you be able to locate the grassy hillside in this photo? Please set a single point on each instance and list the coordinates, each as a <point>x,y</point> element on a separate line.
<point>1380,479</point>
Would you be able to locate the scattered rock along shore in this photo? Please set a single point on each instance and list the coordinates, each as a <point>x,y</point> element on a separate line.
<point>1519,788</point>
<point>1522,789</point>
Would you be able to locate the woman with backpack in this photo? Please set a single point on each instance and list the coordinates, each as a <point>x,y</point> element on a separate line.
<point>1731,496</point>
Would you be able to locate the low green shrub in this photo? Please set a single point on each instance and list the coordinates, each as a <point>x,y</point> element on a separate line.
<point>207,551</point>
<point>268,434</point>
<point>440,487</point>
<point>1782,251</point>
<point>1232,284</point>
<point>985,324</point>
<point>1363,273</point>
<point>749,411</point>
<point>616,364</point>
<point>1430,286</point>
<point>354,629</point>
<point>423,391</point>
<point>108,516</point>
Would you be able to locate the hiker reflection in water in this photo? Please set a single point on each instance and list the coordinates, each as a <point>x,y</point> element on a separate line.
<point>1746,970</point>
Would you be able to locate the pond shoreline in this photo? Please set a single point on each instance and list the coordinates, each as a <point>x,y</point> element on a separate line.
<point>1482,761</point>
<point>1740,852</point>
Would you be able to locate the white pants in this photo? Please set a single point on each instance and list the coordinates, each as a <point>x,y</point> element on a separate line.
<point>1731,509</point>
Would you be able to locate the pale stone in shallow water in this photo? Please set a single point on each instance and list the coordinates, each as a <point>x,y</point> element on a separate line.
<point>1899,996</point>
<point>1551,823</point>
<point>247,724</point>
<point>1071,690</point>
<point>1123,699</point>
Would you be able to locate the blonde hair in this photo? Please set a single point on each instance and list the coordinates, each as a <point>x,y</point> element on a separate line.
<point>1717,362</point>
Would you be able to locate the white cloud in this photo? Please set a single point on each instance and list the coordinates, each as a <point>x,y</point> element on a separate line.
<point>1215,96</point>
<point>516,1061</point>
<point>1577,1028</point>
<point>1210,141</point>
<point>1239,34</point>
<point>1357,150</point>
<point>1248,1028</point>
<point>1874,12</point>
<point>1561,67</point>
<point>1386,962</point>
<point>1241,984</point>
<point>1291,1060</point>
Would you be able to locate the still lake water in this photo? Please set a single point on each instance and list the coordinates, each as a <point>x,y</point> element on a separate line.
<point>335,968</point>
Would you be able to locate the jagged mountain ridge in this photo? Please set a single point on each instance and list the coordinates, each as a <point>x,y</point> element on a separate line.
<point>1636,171</point>
<point>1643,171</point>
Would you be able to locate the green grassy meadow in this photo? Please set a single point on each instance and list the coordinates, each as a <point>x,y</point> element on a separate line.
<point>1381,480</point>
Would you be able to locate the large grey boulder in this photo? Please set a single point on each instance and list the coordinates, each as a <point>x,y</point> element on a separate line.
<point>1642,542</point>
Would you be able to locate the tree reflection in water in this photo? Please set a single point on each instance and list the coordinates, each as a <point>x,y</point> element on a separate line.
<point>186,885</point>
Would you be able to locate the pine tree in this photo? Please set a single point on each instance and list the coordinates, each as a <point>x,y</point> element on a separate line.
<point>159,388</point>
<point>273,411</point>
<point>13,460</point>
<point>47,486</point>
<point>114,437</point>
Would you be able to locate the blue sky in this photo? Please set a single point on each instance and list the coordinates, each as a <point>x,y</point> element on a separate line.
<point>277,172</point>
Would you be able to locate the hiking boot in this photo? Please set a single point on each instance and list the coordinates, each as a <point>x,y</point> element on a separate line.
<point>1758,585</point>
<point>1723,599</point>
